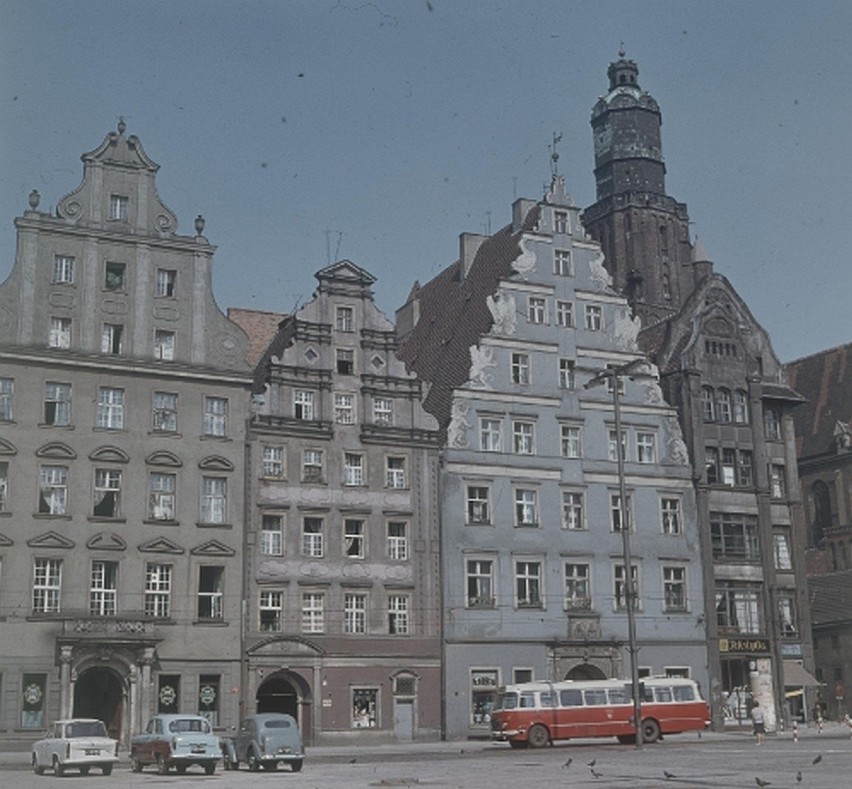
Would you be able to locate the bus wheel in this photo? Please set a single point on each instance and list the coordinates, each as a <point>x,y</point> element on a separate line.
<point>650,730</point>
<point>538,736</point>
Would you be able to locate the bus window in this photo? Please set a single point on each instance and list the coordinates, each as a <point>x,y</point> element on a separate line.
<point>663,695</point>
<point>646,692</point>
<point>528,699</point>
<point>548,699</point>
<point>684,693</point>
<point>616,696</point>
<point>571,697</point>
<point>596,697</point>
<point>507,701</point>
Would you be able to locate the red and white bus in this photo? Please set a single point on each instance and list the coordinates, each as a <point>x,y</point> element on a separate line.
<point>535,714</point>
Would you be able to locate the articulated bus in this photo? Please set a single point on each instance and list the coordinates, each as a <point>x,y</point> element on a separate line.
<point>534,714</point>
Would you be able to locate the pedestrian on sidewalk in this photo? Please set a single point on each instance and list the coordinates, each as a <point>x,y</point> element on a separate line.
<point>758,723</point>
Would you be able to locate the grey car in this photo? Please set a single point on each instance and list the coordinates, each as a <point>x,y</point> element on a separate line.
<point>265,740</point>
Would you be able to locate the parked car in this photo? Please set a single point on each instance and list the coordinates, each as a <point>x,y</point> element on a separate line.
<point>265,740</point>
<point>77,743</point>
<point>177,741</point>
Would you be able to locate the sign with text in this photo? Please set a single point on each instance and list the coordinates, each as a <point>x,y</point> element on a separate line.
<point>744,646</point>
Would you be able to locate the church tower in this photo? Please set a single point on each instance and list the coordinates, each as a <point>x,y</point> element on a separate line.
<point>644,233</point>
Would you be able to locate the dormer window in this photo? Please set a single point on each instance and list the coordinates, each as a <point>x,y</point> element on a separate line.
<point>118,207</point>
<point>560,222</point>
<point>344,319</point>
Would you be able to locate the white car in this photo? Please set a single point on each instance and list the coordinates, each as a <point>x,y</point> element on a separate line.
<point>77,743</point>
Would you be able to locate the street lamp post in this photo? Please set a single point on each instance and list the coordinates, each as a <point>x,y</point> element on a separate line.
<point>614,375</point>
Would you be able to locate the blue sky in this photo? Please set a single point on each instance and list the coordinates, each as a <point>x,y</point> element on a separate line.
<point>307,132</point>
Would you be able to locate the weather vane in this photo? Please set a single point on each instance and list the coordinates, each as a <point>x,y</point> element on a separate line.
<point>554,156</point>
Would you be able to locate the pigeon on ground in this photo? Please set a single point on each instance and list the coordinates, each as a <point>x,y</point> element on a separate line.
<point>595,773</point>
<point>669,775</point>
<point>818,759</point>
<point>760,782</point>
<point>592,763</point>
<point>799,777</point>
<point>567,764</point>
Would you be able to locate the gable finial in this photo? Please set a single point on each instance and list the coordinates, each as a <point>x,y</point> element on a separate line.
<point>121,124</point>
<point>554,155</point>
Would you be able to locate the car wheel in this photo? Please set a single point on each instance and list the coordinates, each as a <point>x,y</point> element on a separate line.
<point>181,769</point>
<point>37,768</point>
<point>297,765</point>
<point>270,765</point>
<point>650,730</point>
<point>107,769</point>
<point>84,771</point>
<point>253,761</point>
<point>162,764</point>
<point>538,736</point>
<point>209,769</point>
<point>58,769</point>
<point>135,764</point>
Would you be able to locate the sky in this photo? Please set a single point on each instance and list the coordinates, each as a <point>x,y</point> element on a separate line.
<point>311,131</point>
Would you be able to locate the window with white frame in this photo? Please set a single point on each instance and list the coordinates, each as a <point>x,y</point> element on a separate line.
<point>158,590</point>
<point>7,398</point>
<point>523,437</point>
<point>526,507</point>
<point>520,368</point>
<point>674,589</point>
<point>398,541</point>
<point>165,283</point>
<point>738,607</point>
<point>612,446</point>
<point>777,481</point>
<point>63,269</point>
<point>723,405</point>
<point>562,262</point>
<point>110,414</point>
<point>353,469</point>
<point>112,339</point>
<point>616,511</point>
<point>395,476</point>
<point>47,585</point>
<point>528,584</point>
<point>354,539</point>
<point>594,317</point>
<point>734,537</point>
<point>619,587</point>
<point>161,496</point>
<point>164,345</point>
<point>215,416</point>
<point>671,515</point>
<point>744,467</point>
<point>787,614</point>
<point>313,612</point>
<point>708,404</point>
<point>382,411</point>
<point>355,612</point>
<point>399,615</point>
<point>571,441</point>
<point>312,465</point>
<point>781,540</point>
<point>729,466</point>
<point>272,534</point>
<point>118,207</point>
<point>344,408</point>
<point>536,309</point>
<point>271,610</point>
<point>490,434</point>
<point>115,276</point>
<point>103,588</point>
<point>560,223</point>
<point>572,510</point>
<point>478,509</point>
<point>344,319</point>
<point>565,313</point>
<point>313,538</point>
<point>53,490</point>
<point>646,447</point>
<point>272,461</point>
<point>211,582</point>
<point>303,404</point>
<point>741,407</point>
<point>566,373</point>
<point>214,500</point>
<point>60,333</point>
<point>107,493</point>
<point>480,583</point>
<point>57,403</point>
<point>345,361</point>
<point>578,589</point>
<point>165,412</point>
<point>772,423</point>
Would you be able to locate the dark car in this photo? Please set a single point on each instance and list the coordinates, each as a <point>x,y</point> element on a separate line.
<point>265,740</point>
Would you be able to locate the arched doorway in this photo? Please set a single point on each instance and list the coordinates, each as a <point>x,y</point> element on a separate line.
<point>99,693</point>
<point>585,671</point>
<point>278,694</point>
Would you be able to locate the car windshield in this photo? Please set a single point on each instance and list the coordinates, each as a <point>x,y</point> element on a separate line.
<point>85,729</point>
<point>189,724</point>
<point>277,723</point>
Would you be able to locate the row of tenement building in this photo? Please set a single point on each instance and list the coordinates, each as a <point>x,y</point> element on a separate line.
<point>373,526</point>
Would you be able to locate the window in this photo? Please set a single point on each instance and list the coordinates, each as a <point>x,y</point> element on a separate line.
<point>738,607</point>
<point>671,515</point>
<point>271,610</point>
<point>60,333</point>
<point>63,269</point>
<point>571,446</point>
<point>161,496</point>
<point>741,407</point>
<point>272,462</point>
<point>4,489</point>
<point>47,585</point>
<point>107,493</point>
<point>57,403</point>
<point>523,438</point>
<point>578,592</point>
<point>164,411</point>
<point>787,615</point>
<point>53,490</point>
<point>572,510</point>
<point>711,465</point>
<point>562,262</point>
<point>594,317</point>
<point>777,481</point>
<point>646,447</point>
<point>395,476</point>
<point>566,374</point>
<point>110,408</point>
<point>313,612</point>
<point>483,695</point>
<point>165,283</point>
<point>781,542</point>
<point>344,319</point>
<point>354,612</point>
<point>733,536</point>
<point>382,411</point>
<point>164,345</point>
<point>365,707</point>
<point>772,423</point>
<point>158,590</point>
<point>744,467</point>
<point>215,416</point>
<point>209,695</point>
<point>620,586</point>
<point>560,223</point>
<point>303,404</point>
<point>480,583</point>
<point>115,276</point>
<point>214,500</point>
<point>398,541</point>
<point>520,368</point>
<point>354,539</point>
<point>399,620</point>
<point>674,588</point>
<point>312,537</point>
<point>7,398</point>
<point>490,435</point>
<point>272,534</point>
<point>353,469</point>
<point>536,309</point>
<point>118,207</point>
<point>112,339</point>
<point>729,466</point>
<point>615,511</point>
<point>526,507</point>
<point>344,408</point>
<point>612,446</point>
<point>708,404</point>
<point>168,699</point>
<point>103,588</point>
<point>723,405</point>
<point>210,598</point>
<point>345,361</point>
<point>565,314</point>
<point>478,510</point>
<point>312,465</point>
<point>614,376</point>
<point>528,584</point>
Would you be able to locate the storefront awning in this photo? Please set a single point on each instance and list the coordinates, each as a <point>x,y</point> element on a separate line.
<point>795,676</point>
